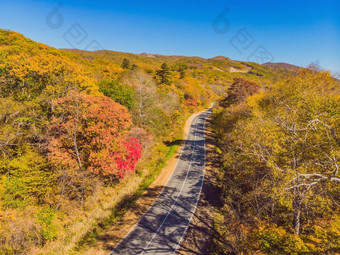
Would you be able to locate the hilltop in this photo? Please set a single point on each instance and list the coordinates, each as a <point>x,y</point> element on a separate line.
<point>283,66</point>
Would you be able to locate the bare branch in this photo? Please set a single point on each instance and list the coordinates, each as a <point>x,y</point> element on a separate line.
<point>308,185</point>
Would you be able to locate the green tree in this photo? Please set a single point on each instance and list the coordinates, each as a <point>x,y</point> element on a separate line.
<point>181,69</point>
<point>123,94</point>
<point>125,64</point>
<point>163,74</point>
<point>28,179</point>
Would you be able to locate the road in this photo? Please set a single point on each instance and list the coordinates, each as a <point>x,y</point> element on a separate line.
<point>163,227</point>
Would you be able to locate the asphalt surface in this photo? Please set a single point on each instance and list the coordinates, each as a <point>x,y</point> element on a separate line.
<point>163,226</point>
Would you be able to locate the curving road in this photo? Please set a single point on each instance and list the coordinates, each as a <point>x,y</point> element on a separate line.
<point>163,226</point>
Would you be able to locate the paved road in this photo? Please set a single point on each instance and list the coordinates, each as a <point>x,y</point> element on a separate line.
<point>162,228</point>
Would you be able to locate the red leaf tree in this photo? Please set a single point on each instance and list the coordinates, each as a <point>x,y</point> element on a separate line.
<point>239,90</point>
<point>91,133</point>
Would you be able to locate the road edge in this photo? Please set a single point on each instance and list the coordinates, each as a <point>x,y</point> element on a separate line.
<point>125,225</point>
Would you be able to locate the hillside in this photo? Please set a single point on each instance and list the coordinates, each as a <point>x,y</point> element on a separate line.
<point>83,134</point>
<point>283,66</point>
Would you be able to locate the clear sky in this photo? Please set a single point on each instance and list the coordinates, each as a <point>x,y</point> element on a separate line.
<point>293,31</point>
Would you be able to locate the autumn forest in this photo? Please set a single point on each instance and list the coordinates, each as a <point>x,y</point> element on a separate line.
<point>83,134</point>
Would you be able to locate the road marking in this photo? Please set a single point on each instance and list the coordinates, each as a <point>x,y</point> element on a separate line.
<point>186,177</point>
<point>199,194</point>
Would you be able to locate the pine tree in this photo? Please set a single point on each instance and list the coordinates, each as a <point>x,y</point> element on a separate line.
<point>164,74</point>
<point>125,64</point>
<point>182,74</point>
<point>181,69</point>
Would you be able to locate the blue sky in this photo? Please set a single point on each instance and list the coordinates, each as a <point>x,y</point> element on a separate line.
<point>297,32</point>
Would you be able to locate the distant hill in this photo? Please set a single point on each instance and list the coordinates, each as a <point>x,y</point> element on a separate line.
<point>214,74</point>
<point>282,65</point>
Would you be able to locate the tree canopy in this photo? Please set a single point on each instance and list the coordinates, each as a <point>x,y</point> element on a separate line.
<point>281,181</point>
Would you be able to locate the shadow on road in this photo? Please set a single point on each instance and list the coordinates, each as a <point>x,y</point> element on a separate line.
<point>199,236</point>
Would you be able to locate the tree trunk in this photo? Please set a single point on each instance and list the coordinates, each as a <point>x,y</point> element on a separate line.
<point>140,104</point>
<point>75,144</point>
<point>297,214</point>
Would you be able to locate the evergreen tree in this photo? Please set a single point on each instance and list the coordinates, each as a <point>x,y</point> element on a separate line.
<point>181,69</point>
<point>164,74</point>
<point>125,64</point>
<point>134,67</point>
<point>182,74</point>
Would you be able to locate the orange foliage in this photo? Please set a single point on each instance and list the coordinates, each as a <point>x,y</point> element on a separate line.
<point>92,132</point>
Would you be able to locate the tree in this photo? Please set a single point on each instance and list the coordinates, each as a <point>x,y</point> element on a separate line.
<point>122,94</point>
<point>28,180</point>
<point>281,153</point>
<point>163,74</point>
<point>90,133</point>
<point>239,90</point>
<point>310,126</point>
<point>144,96</point>
<point>147,111</point>
<point>134,67</point>
<point>126,64</point>
<point>181,68</point>
<point>182,74</point>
